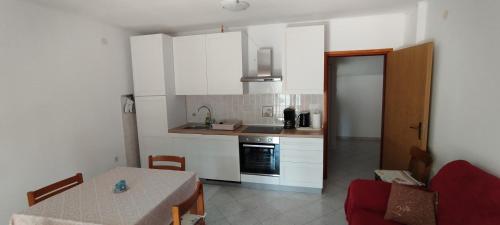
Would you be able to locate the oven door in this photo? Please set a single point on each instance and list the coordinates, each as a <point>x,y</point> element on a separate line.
<point>260,159</point>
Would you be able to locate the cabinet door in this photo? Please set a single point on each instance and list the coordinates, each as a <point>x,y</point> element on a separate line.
<point>301,162</point>
<point>210,156</point>
<point>152,116</point>
<point>189,145</point>
<point>304,69</point>
<point>301,174</point>
<point>219,158</point>
<point>224,63</point>
<point>302,150</point>
<point>148,64</point>
<point>190,65</point>
<point>154,146</point>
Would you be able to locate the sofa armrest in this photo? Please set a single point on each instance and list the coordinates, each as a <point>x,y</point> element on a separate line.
<point>369,195</point>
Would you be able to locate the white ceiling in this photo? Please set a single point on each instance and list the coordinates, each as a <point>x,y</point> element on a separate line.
<point>188,15</point>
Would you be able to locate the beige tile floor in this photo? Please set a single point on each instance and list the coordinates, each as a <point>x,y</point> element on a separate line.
<point>233,205</point>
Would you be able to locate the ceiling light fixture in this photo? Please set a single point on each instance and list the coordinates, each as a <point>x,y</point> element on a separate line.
<point>234,5</point>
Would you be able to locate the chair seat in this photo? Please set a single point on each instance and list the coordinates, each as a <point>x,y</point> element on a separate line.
<point>190,219</point>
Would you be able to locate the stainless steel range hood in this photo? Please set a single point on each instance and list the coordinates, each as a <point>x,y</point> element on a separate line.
<point>264,68</point>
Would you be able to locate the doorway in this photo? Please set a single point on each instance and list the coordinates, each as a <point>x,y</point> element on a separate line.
<point>406,94</point>
<point>354,84</point>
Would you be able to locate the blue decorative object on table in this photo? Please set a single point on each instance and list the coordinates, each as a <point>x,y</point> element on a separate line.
<point>120,186</point>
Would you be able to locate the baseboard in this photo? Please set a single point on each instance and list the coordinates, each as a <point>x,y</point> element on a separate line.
<point>344,138</point>
<point>270,187</point>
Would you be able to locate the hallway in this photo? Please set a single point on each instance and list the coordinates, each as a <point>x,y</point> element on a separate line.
<point>351,159</point>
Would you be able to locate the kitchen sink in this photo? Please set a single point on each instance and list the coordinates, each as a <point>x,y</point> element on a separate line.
<point>197,127</point>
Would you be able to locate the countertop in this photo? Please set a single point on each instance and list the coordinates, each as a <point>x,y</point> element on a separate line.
<point>239,131</point>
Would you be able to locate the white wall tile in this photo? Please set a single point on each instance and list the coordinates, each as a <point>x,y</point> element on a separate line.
<point>248,108</point>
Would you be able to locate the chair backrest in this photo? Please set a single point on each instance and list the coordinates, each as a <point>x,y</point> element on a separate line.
<point>195,204</point>
<point>41,194</point>
<point>167,158</point>
<point>420,164</point>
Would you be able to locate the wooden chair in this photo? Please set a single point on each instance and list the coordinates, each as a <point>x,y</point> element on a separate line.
<point>420,164</point>
<point>41,194</point>
<point>167,158</point>
<point>195,204</point>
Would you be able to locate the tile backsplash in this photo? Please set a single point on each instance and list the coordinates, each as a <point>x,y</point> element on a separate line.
<point>249,108</point>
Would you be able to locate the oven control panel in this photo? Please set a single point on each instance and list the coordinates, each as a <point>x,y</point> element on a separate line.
<point>259,140</point>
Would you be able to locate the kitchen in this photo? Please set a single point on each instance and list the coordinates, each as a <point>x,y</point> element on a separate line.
<point>91,89</point>
<point>184,86</point>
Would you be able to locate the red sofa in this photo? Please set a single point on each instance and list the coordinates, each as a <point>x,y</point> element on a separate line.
<point>467,196</point>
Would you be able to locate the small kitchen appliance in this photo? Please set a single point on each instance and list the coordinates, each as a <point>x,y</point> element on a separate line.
<point>304,119</point>
<point>289,118</point>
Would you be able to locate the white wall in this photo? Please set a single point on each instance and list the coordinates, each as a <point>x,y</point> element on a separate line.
<point>416,22</point>
<point>367,32</point>
<point>60,88</point>
<point>410,37</point>
<point>358,102</point>
<point>465,108</point>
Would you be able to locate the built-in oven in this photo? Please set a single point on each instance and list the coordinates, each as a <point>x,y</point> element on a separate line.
<point>260,155</point>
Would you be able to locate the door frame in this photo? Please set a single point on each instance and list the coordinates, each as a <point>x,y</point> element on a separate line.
<point>326,107</point>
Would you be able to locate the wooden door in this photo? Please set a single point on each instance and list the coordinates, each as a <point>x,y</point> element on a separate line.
<point>406,104</point>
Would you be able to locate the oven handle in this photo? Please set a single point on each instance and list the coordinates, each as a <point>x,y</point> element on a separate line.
<point>259,146</point>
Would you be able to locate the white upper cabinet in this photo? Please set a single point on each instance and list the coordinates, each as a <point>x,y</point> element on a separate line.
<point>224,63</point>
<point>304,60</point>
<point>152,64</point>
<point>190,64</point>
<point>208,64</point>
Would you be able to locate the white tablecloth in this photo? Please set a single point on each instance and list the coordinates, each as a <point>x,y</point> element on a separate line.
<point>149,200</point>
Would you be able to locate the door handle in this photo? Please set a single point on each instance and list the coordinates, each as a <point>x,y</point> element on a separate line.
<point>419,130</point>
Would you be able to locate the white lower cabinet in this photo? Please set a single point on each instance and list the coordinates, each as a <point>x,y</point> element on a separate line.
<point>301,163</point>
<point>153,146</point>
<point>217,157</point>
<point>210,156</point>
<point>301,174</point>
<point>187,146</point>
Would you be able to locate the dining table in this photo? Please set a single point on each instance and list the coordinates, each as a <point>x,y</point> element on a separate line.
<point>147,201</point>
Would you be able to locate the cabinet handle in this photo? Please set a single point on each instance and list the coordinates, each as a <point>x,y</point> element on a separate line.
<point>258,146</point>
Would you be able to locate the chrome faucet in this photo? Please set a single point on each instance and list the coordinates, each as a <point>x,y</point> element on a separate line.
<point>208,119</point>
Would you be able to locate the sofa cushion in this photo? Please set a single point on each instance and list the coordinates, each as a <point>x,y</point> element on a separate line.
<point>367,195</point>
<point>366,217</point>
<point>411,206</point>
<point>467,195</point>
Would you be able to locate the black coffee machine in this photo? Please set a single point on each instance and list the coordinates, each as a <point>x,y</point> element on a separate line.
<point>289,115</point>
